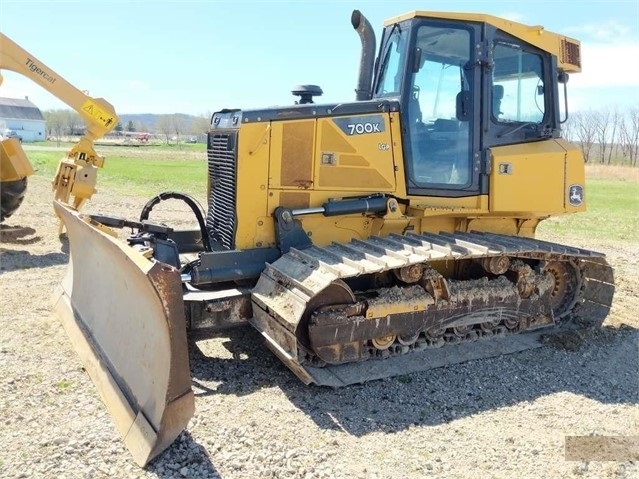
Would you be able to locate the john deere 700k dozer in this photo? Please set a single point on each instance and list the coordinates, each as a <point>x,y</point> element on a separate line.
<point>391,234</point>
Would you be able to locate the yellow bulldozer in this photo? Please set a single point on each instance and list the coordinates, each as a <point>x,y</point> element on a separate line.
<point>364,239</point>
<point>75,179</point>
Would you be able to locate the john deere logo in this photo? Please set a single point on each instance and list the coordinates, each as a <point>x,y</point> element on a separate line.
<point>576,195</point>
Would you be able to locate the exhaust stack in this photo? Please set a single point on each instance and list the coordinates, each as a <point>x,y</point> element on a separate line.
<point>367,62</point>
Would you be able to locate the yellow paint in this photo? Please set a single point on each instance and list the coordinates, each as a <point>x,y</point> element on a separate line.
<point>360,163</point>
<point>381,310</point>
<point>575,175</point>
<point>533,34</point>
<point>14,164</point>
<point>252,192</point>
<point>92,109</point>
<point>528,178</point>
<point>305,163</point>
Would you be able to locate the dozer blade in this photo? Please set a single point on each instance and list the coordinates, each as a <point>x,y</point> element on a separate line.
<point>124,316</point>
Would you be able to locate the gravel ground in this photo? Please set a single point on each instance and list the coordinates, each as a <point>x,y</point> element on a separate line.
<point>496,418</point>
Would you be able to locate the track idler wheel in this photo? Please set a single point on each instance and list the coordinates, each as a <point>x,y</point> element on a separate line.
<point>511,324</point>
<point>463,330</point>
<point>566,284</point>
<point>337,296</point>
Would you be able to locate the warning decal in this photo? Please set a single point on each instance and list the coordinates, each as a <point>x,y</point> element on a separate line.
<point>92,109</point>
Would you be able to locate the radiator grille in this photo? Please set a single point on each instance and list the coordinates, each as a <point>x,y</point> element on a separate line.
<point>222,217</point>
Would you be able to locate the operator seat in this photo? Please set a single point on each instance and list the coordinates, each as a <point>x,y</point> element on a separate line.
<point>498,95</point>
<point>417,129</point>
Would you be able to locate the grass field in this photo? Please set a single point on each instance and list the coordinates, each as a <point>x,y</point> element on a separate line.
<point>612,192</point>
<point>612,198</point>
<point>144,170</point>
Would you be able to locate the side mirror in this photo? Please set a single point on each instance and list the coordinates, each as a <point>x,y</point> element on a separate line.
<point>462,105</point>
<point>562,78</point>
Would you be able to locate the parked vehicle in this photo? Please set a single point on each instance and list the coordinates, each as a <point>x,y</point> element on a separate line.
<point>11,134</point>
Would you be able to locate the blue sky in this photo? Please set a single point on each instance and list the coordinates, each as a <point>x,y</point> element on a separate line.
<point>197,57</point>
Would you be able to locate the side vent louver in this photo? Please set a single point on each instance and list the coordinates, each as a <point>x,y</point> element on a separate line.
<point>221,218</point>
<point>570,53</point>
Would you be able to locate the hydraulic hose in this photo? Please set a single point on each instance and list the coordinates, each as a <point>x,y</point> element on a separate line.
<point>190,201</point>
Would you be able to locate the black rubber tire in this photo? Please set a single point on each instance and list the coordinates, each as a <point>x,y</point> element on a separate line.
<point>11,196</point>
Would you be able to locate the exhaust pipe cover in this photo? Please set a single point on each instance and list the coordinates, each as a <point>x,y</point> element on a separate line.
<point>367,61</point>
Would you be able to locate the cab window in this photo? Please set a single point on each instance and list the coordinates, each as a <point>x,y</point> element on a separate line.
<point>518,86</point>
<point>392,72</point>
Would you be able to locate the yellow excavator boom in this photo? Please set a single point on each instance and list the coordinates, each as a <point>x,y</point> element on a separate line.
<point>76,176</point>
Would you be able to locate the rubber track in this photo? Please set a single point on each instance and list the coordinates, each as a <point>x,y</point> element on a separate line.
<point>288,284</point>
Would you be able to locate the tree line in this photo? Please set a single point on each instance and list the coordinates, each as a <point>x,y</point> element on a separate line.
<point>65,122</point>
<point>606,136</point>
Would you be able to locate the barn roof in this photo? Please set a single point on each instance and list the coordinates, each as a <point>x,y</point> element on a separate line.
<point>19,109</point>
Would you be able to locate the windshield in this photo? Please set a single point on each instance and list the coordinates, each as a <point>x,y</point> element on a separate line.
<point>392,72</point>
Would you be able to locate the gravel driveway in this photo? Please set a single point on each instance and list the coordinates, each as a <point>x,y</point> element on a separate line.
<point>497,418</point>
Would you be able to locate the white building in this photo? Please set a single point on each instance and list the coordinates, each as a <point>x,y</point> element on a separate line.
<point>23,117</point>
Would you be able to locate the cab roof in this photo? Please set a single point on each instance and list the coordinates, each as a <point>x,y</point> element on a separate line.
<point>566,49</point>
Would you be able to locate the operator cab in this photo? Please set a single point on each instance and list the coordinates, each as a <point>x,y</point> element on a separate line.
<point>463,86</point>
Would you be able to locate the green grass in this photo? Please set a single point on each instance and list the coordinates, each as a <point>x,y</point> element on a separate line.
<point>612,213</point>
<point>143,171</point>
<point>149,177</point>
<point>44,162</point>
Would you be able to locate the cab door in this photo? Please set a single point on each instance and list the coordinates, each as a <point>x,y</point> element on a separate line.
<point>440,132</point>
<point>526,160</point>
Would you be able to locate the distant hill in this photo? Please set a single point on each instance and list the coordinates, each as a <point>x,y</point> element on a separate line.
<point>148,121</point>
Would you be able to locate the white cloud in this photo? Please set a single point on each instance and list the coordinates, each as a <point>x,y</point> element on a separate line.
<point>609,52</point>
<point>610,31</point>
<point>609,76</point>
<point>608,65</point>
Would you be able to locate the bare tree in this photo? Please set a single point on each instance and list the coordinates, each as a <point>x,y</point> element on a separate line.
<point>201,124</point>
<point>615,119</point>
<point>49,120</point>
<point>56,123</point>
<point>73,123</point>
<point>629,135</point>
<point>569,129</point>
<point>165,126</point>
<point>178,124</point>
<point>140,126</point>
<point>602,127</point>
<point>585,130</point>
